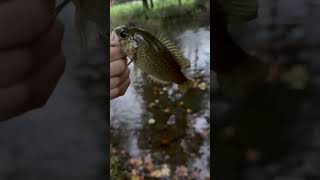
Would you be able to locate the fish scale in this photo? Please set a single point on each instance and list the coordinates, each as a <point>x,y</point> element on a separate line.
<point>165,67</point>
<point>155,60</point>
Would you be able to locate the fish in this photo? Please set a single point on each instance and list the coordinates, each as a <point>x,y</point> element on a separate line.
<point>156,58</point>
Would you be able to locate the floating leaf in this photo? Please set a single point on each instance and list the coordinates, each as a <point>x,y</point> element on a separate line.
<point>151,121</point>
<point>156,173</point>
<point>166,110</point>
<point>135,162</point>
<point>165,171</point>
<point>135,177</point>
<point>203,86</point>
<point>181,171</point>
<point>151,105</point>
<point>171,120</point>
<point>148,163</point>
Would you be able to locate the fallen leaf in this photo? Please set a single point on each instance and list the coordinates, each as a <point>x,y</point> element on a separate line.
<point>135,177</point>
<point>181,171</point>
<point>151,121</point>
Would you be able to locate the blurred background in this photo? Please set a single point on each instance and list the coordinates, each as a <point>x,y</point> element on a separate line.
<point>271,131</point>
<point>157,132</point>
<point>66,139</point>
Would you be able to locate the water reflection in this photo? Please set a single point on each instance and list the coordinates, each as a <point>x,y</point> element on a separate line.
<point>159,120</point>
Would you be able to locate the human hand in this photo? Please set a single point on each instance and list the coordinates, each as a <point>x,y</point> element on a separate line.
<point>31,57</point>
<point>119,73</point>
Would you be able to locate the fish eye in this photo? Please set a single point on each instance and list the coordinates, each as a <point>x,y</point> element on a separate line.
<point>123,34</point>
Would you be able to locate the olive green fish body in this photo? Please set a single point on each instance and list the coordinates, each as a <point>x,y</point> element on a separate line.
<point>157,58</point>
<point>163,67</point>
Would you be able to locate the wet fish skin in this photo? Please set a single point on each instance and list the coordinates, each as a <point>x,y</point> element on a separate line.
<point>157,58</point>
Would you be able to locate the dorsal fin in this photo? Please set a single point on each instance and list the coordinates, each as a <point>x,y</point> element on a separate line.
<point>181,60</point>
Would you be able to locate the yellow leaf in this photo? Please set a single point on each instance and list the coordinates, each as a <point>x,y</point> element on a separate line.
<point>135,178</point>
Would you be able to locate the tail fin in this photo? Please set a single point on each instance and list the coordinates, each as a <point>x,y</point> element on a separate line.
<point>186,86</point>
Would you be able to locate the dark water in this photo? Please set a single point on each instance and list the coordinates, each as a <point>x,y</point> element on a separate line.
<point>158,120</point>
<point>273,132</point>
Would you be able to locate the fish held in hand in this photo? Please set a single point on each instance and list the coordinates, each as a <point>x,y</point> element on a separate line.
<point>156,58</point>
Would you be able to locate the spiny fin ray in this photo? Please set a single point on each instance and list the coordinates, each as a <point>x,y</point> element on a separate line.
<point>183,62</point>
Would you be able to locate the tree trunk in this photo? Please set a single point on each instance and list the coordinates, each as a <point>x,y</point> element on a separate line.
<point>179,2</point>
<point>151,4</point>
<point>145,4</point>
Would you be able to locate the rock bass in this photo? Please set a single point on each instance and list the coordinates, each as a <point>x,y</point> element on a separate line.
<point>156,58</point>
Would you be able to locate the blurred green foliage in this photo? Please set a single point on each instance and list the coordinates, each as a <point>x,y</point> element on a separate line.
<point>162,9</point>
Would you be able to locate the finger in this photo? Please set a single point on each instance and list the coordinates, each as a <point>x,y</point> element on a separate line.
<point>32,93</point>
<point>13,101</point>
<point>116,53</point>
<point>22,21</point>
<point>44,81</point>
<point>120,91</point>
<point>15,66</point>
<point>49,44</point>
<point>116,81</point>
<point>118,67</point>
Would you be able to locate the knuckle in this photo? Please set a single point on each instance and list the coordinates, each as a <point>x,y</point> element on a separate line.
<point>30,99</point>
<point>118,81</point>
<point>117,91</point>
<point>123,65</point>
<point>122,93</point>
<point>25,94</point>
<point>40,102</point>
<point>121,68</point>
